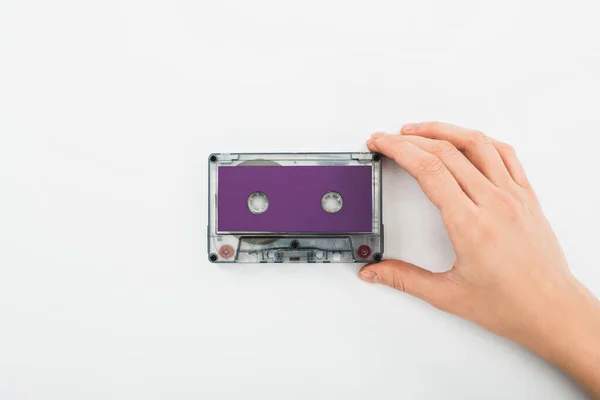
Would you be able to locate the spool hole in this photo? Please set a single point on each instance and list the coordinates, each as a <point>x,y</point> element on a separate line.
<point>332,202</point>
<point>258,202</point>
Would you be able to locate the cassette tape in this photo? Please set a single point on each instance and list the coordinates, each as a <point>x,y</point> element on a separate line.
<point>295,207</point>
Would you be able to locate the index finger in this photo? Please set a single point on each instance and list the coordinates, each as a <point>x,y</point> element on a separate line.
<point>437,182</point>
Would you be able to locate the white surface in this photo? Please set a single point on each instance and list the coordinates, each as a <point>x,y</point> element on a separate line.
<point>108,110</point>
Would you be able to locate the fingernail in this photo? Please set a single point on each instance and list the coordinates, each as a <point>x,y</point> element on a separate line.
<point>368,276</point>
<point>377,135</point>
<point>409,127</point>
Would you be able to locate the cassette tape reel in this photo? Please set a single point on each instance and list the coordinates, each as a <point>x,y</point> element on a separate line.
<point>295,207</point>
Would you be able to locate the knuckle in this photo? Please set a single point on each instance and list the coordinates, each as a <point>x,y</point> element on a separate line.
<point>400,147</point>
<point>430,126</point>
<point>506,198</point>
<point>507,148</point>
<point>531,196</point>
<point>398,282</point>
<point>445,148</point>
<point>432,166</point>
<point>510,149</point>
<point>509,205</point>
<point>477,139</point>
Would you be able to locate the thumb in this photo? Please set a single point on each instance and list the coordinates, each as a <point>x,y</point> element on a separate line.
<point>406,277</point>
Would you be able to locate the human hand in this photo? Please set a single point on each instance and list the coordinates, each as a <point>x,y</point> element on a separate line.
<point>510,275</point>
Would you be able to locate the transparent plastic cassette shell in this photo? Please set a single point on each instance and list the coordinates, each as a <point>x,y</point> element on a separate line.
<point>295,247</point>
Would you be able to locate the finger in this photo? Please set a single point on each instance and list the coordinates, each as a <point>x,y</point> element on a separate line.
<point>512,163</point>
<point>470,179</point>
<point>477,147</point>
<point>408,278</point>
<point>436,181</point>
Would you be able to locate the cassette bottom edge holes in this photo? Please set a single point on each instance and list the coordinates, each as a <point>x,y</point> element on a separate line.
<point>295,207</point>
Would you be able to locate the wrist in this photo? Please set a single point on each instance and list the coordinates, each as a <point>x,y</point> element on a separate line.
<point>568,334</point>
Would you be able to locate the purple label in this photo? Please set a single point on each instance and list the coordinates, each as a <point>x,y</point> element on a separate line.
<point>295,198</point>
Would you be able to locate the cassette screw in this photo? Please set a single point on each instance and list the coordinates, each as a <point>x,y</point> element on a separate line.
<point>363,251</point>
<point>213,158</point>
<point>377,257</point>
<point>376,157</point>
<point>213,257</point>
<point>295,244</point>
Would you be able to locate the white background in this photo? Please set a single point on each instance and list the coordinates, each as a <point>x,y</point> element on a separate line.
<point>108,110</point>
